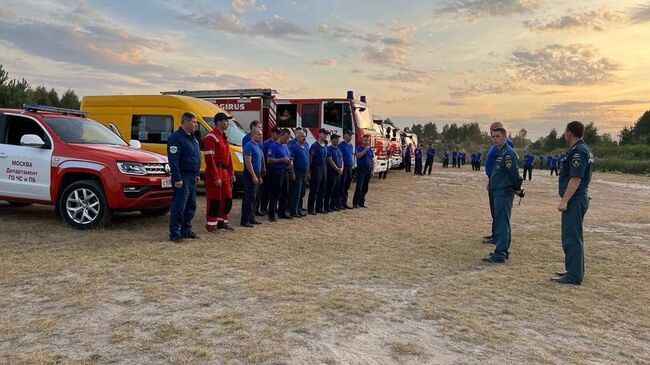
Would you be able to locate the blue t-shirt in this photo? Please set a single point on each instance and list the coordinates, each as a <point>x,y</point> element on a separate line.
<point>253,149</point>
<point>300,155</point>
<point>554,161</point>
<point>418,154</point>
<point>266,145</point>
<point>431,152</point>
<point>277,150</point>
<point>528,160</point>
<point>348,153</point>
<point>366,159</point>
<point>318,154</point>
<point>335,154</point>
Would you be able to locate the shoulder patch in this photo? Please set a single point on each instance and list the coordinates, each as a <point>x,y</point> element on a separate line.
<point>173,149</point>
<point>576,160</point>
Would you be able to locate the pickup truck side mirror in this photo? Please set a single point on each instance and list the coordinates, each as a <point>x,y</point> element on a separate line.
<point>31,140</point>
<point>135,144</point>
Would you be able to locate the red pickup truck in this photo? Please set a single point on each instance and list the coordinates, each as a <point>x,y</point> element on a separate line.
<point>59,157</point>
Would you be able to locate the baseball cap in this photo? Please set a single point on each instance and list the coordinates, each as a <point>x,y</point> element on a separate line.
<point>323,130</point>
<point>276,130</point>
<point>221,116</point>
<point>347,131</point>
<point>334,136</point>
<point>496,125</point>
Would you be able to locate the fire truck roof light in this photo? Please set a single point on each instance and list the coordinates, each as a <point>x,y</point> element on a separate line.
<point>350,95</point>
<point>363,98</point>
<point>52,109</point>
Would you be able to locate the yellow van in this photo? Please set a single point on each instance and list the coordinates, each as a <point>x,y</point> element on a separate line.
<point>151,119</point>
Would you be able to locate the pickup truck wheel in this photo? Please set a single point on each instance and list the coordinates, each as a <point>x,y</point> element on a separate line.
<point>83,205</point>
<point>19,204</point>
<point>155,212</point>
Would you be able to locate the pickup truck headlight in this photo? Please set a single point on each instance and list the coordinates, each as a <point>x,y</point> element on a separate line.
<point>132,168</point>
<point>240,157</point>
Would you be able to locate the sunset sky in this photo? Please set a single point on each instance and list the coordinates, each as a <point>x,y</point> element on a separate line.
<point>533,64</point>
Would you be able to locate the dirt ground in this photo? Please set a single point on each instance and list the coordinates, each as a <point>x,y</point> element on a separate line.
<point>401,282</point>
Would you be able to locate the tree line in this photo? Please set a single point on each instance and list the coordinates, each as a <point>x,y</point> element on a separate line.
<point>14,93</point>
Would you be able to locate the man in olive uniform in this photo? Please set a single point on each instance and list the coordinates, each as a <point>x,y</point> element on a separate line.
<point>504,183</point>
<point>574,202</point>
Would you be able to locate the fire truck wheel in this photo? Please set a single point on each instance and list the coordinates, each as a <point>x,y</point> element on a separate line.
<point>83,205</point>
<point>155,212</point>
<point>19,204</point>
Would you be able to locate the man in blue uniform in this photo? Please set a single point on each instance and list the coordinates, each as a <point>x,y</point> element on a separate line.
<point>347,151</point>
<point>334,172</point>
<point>490,159</point>
<point>317,161</point>
<point>541,162</point>
<point>428,164</point>
<point>505,182</point>
<point>549,158</point>
<point>574,202</point>
<point>299,151</point>
<point>184,155</point>
<point>278,161</point>
<point>454,158</point>
<point>253,157</point>
<point>478,161</point>
<point>445,159</point>
<point>554,161</point>
<point>407,158</point>
<point>529,159</point>
<point>365,167</point>
<point>264,194</point>
<point>418,160</point>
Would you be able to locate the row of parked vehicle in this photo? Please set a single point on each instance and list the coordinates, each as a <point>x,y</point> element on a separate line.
<point>80,160</point>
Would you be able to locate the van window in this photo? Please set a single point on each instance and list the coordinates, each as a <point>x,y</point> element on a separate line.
<point>235,133</point>
<point>286,115</point>
<point>333,114</point>
<point>17,127</point>
<point>309,116</point>
<point>152,128</point>
<point>347,118</point>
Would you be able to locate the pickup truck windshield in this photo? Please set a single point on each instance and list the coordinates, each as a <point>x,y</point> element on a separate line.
<point>82,131</point>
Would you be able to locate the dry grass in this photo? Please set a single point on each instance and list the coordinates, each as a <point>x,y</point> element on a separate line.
<point>401,282</point>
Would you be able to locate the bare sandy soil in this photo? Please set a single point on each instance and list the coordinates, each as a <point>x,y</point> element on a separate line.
<point>401,282</point>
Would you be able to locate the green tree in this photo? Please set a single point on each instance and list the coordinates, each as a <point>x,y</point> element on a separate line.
<point>13,93</point>
<point>70,100</point>
<point>52,98</point>
<point>39,96</point>
<point>591,136</point>
<point>551,141</point>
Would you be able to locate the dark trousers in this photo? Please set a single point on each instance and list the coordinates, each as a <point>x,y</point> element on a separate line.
<point>363,178</point>
<point>572,239</point>
<point>331,189</point>
<point>407,163</point>
<point>249,199</point>
<point>344,186</point>
<point>264,195</point>
<point>297,189</point>
<point>445,162</point>
<point>453,164</point>
<point>491,202</point>
<point>529,170</point>
<point>277,179</point>
<point>502,231</point>
<point>418,166</point>
<point>428,165</point>
<point>554,169</point>
<point>316,188</point>
<point>183,207</point>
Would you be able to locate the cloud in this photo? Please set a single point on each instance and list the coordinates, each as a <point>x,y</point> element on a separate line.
<point>640,14</point>
<point>573,64</point>
<point>451,103</point>
<point>473,10</point>
<point>608,115</point>
<point>406,75</point>
<point>598,20</point>
<point>235,23</point>
<point>489,87</point>
<point>326,62</point>
<point>6,13</point>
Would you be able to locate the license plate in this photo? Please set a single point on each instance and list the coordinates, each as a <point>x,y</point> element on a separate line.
<point>166,183</point>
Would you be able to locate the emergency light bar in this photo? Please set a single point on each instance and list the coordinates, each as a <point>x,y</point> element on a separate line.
<point>52,109</point>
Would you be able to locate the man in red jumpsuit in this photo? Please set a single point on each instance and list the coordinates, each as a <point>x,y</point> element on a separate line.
<point>219,175</point>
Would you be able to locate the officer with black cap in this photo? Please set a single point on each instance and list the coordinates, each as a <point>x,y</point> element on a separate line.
<point>318,160</point>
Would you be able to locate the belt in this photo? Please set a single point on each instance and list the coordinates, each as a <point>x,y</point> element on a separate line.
<point>221,165</point>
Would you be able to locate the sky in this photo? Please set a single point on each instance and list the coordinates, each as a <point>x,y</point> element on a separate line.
<point>533,64</point>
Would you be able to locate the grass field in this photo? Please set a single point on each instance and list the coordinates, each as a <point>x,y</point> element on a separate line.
<point>401,282</point>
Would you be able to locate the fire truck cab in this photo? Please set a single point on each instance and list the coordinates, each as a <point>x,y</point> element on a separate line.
<point>336,115</point>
